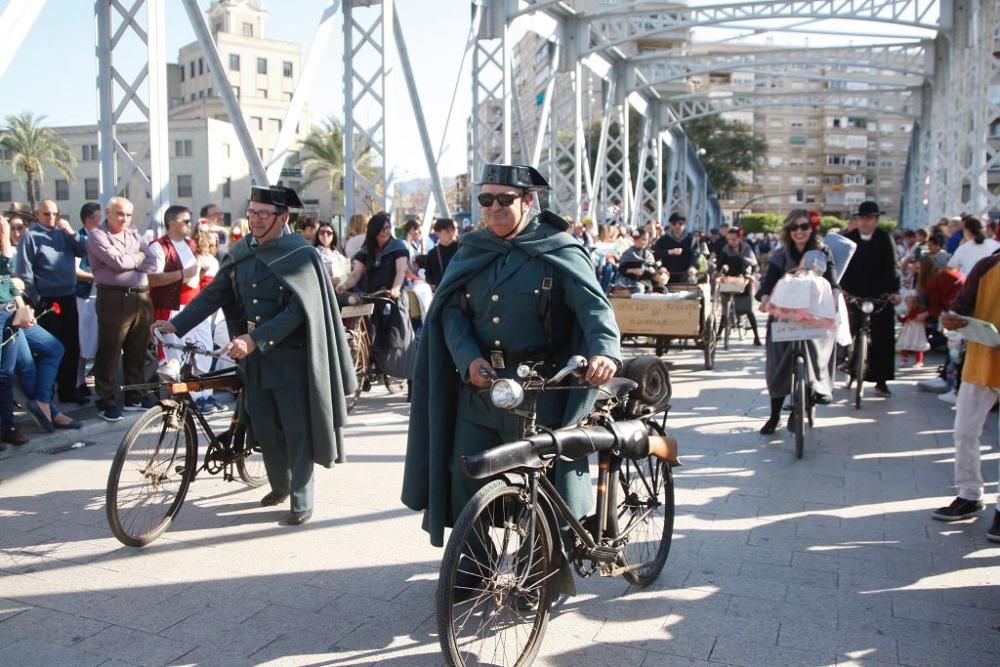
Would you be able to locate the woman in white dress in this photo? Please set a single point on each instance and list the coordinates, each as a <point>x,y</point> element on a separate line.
<point>974,246</point>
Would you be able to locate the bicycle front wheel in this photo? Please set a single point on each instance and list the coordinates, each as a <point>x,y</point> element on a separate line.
<point>150,475</point>
<point>641,518</point>
<point>250,466</point>
<point>357,345</point>
<point>860,365</point>
<point>493,591</point>
<point>799,405</point>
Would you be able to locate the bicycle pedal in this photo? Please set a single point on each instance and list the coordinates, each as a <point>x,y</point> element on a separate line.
<point>603,554</point>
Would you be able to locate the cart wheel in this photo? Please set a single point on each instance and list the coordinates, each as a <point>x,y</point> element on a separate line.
<point>662,346</point>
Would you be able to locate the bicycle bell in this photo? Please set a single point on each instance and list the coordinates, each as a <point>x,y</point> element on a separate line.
<point>867,307</point>
<point>506,394</point>
<point>169,371</point>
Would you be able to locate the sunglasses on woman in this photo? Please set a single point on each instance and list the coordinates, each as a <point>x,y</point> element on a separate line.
<point>505,199</point>
<point>801,227</point>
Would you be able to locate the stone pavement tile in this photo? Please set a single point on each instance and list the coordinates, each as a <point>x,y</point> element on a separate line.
<point>137,648</point>
<point>296,648</point>
<point>558,652</point>
<point>764,589</point>
<point>49,626</point>
<point>926,606</point>
<point>220,634</point>
<point>863,662</point>
<point>11,608</point>
<point>83,576</point>
<point>851,644</point>
<point>204,656</point>
<point>141,610</point>
<point>290,591</point>
<point>814,613</point>
<point>658,660</point>
<point>789,575</point>
<point>222,599</point>
<point>36,653</point>
<point>287,621</point>
<point>833,562</point>
<point>920,652</point>
<point>844,602</point>
<point>749,553</point>
<point>375,623</point>
<point>750,653</point>
<point>696,635</point>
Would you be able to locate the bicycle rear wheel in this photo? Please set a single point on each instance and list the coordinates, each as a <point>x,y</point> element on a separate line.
<point>641,516</point>
<point>493,591</point>
<point>150,474</point>
<point>860,366</point>
<point>251,465</point>
<point>357,345</point>
<point>799,405</point>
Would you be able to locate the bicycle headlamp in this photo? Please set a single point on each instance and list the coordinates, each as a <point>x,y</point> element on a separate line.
<point>523,371</point>
<point>867,307</point>
<point>506,394</point>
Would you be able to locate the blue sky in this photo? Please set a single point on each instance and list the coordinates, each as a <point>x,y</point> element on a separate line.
<point>54,72</point>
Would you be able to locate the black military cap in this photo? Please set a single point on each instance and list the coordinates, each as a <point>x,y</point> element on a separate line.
<point>869,208</point>
<point>276,195</point>
<point>515,175</point>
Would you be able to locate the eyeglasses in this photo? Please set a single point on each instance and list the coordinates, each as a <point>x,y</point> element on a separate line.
<point>49,214</point>
<point>184,220</point>
<point>801,227</point>
<point>505,199</point>
<point>263,215</point>
<point>325,232</point>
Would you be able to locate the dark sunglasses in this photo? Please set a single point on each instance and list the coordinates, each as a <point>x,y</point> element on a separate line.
<point>505,199</point>
<point>801,227</point>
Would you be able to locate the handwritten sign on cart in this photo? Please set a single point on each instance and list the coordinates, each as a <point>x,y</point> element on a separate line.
<point>658,317</point>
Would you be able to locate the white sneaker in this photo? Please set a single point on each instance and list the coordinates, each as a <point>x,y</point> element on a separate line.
<point>948,397</point>
<point>936,385</point>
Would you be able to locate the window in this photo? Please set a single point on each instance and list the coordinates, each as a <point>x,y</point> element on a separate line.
<point>886,146</point>
<point>62,189</point>
<point>261,65</point>
<point>262,92</point>
<point>182,73</point>
<point>91,189</point>
<point>201,66</point>
<point>192,69</point>
<point>236,92</point>
<point>234,62</point>
<point>4,153</point>
<point>5,191</point>
<point>276,124</point>
<point>182,148</point>
<point>258,121</point>
<point>887,164</point>
<point>227,186</point>
<point>90,153</point>
<point>209,92</point>
<point>248,29</point>
<point>201,94</point>
<point>260,153</point>
<point>884,183</point>
<point>286,69</point>
<point>288,97</point>
<point>183,186</point>
<point>193,97</point>
<point>835,159</point>
<point>227,150</point>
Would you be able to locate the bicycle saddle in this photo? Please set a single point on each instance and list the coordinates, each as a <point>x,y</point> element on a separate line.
<point>614,387</point>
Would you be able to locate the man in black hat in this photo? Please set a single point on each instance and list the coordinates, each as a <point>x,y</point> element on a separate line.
<point>677,250</point>
<point>288,341</point>
<point>520,291</point>
<point>872,272</point>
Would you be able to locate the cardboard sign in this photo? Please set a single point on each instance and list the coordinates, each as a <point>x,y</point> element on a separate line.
<point>653,317</point>
<point>788,330</point>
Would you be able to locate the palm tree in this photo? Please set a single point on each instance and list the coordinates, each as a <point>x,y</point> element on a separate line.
<point>324,156</point>
<point>31,145</point>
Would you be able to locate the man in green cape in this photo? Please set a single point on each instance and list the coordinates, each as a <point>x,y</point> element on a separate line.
<point>520,291</point>
<point>289,344</point>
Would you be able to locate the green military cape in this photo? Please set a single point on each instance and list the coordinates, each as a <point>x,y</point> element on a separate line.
<point>331,371</point>
<point>426,476</point>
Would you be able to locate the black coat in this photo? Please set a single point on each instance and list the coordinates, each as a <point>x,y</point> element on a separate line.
<point>873,270</point>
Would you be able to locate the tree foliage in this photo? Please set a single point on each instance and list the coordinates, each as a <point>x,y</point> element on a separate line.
<point>32,146</point>
<point>323,150</point>
<point>729,147</point>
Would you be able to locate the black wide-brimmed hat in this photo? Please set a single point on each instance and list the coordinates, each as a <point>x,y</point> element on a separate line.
<point>19,210</point>
<point>514,175</point>
<point>276,195</point>
<point>869,208</point>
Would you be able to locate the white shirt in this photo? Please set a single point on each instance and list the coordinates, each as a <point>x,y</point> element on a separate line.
<point>183,251</point>
<point>970,252</point>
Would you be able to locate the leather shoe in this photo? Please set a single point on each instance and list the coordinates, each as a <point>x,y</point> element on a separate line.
<point>12,436</point>
<point>298,518</point>
<point>43,422</point>
<point>769,426</point>
<point>72,424</point>
<point>273,498</point>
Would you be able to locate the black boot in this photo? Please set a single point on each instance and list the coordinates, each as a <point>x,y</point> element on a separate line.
<point>772,423</point>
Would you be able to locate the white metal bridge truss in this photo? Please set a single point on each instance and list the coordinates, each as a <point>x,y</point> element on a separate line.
<point>943,82</point>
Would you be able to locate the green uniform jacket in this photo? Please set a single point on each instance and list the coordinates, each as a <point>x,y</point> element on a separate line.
<point>592,331</point>
<point>297,268</point>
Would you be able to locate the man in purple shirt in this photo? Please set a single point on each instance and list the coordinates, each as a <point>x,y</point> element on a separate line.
<point>120,261</point>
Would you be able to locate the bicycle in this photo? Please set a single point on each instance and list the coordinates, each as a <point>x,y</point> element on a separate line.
<point>356,314</point>
<point>803,406</point>
<point>862,342</point>
<point>726,293</point>
<point>516,538</point>
<point>158,458</point>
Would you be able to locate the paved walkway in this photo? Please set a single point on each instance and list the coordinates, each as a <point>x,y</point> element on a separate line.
<point>829,560</point>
